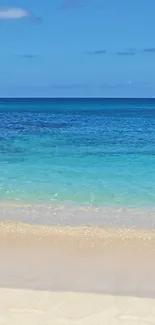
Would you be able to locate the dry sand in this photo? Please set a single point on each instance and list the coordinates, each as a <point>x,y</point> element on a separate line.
<point>41,308</point>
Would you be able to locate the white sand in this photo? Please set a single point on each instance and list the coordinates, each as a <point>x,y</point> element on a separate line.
<point>23,307</point>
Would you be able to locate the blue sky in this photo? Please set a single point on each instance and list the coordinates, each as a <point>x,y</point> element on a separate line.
<point>66,48</point>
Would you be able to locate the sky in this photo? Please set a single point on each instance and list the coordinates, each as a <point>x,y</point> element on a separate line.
<point>77,48</point>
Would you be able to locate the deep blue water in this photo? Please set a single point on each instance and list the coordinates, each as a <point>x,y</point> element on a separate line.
<point>98,151</point>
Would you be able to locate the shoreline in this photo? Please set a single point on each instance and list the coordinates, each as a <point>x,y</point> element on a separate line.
<point>75,215</point>
<point>82,205</point>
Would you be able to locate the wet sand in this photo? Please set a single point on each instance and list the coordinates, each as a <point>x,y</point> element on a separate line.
<point>76,274</point>
<point>84,259</point>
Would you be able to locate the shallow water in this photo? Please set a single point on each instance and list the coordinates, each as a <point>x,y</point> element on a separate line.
<point>74,215</point>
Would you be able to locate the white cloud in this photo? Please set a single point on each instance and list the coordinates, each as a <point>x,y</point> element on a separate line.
<point>13,13</point>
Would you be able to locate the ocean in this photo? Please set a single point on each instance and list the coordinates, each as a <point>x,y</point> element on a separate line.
<point>78,151</point>
<point>77,198</point>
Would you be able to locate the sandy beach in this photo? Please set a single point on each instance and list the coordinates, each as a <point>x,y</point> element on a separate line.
<point>76,275</point>
<point>77,163</point>
<point>31,307</point>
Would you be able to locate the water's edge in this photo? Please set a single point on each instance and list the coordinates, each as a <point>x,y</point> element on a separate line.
<point>75,215</point>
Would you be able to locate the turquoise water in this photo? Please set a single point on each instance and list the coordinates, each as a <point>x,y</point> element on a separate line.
<point>95,151</point>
